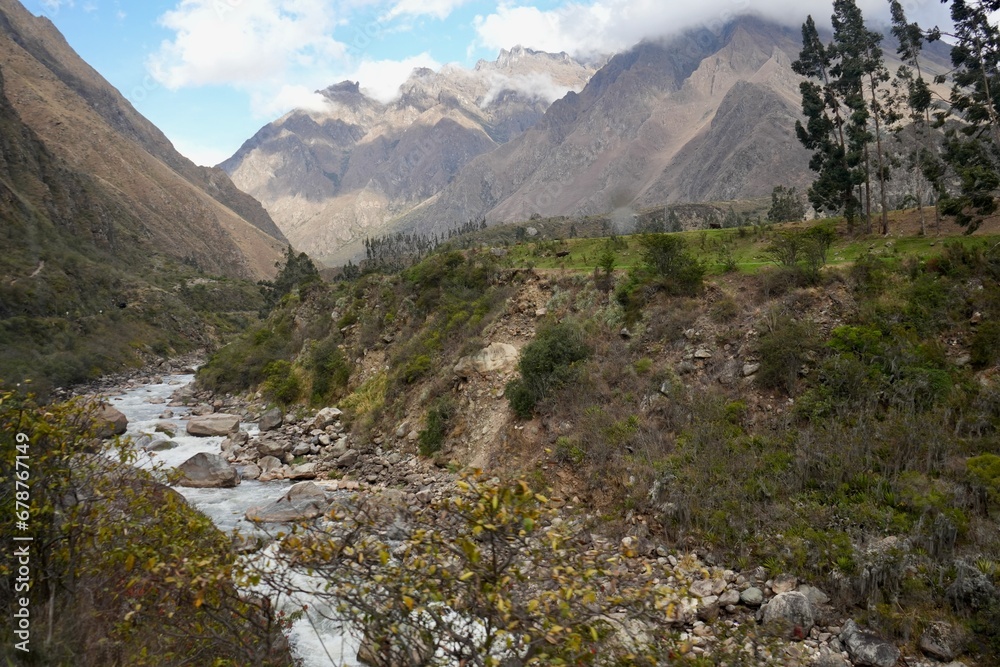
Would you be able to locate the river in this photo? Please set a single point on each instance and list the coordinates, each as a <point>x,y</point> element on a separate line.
<point>315,641</point>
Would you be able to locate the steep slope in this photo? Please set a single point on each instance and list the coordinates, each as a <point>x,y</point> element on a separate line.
<point>190,212</point>
<point>332,178</point>
<point>698,117</point>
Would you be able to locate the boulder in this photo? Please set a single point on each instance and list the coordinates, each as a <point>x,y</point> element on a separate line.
<point>326,417</point>
<point>304,471</point>
<point>942,641</point>
<point>213,424</point>
<point>248,471</point>
<point>109,421</point>
<point>267,447</point>
<point>706,587</point>
<point>269,464</point>
<point>867,649</point>
<point>270,420</point>
<point>784,583</point>
<point>495,357</point>
<point>789,615</point>
<point>167,428</point>
<point>208,471</point>
<point>348,459</point>
<point>752,597</point>
<point>303,501</point>
<point>160,446</point>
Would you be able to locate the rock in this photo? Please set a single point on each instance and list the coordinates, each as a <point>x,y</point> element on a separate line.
<point>160,446</point>
<point>784,583</point>
<point>326,417</point>
<point>208,471</point>
<point>703,353</point>
<point>270,420</point>
<point>303,501</point>
<point>495,357</point>
<point>301,449</point>
<point>971,589</point>
<point>867,649</point>
<point>789,615</point>
<point>270,448</point>
<point>109,421</point>
<point>167,428</point>
<point>942,641</point>
<point>248,471</point>
<point>269,464</point>
<point>304,471</point>
<point>750,369</point>
<point>338,448</point>
<point>349,458</point>
<point>214,424</point>
<point>731,596</point>
<point>815,595</point>
<point>705,587</point>
<point>752,597</point>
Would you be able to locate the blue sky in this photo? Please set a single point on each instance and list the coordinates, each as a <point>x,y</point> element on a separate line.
<point>210,73</point>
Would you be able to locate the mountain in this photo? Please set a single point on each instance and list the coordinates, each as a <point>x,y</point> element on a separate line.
<point>332,177</point>
<point>180,209</point>
<point>116,248</point>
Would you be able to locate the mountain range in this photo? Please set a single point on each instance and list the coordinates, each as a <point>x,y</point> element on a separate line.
<point>707,115</point>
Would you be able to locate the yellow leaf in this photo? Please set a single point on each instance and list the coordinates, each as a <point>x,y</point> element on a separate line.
<point>408,601</point>
<point>130,562</point>
<point>466,576</point>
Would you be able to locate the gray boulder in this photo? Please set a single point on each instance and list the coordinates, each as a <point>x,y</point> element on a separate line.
<point>752,597</point>
<point>248,471</point>
<point>495,357</point>
<point>867,649</point>
<point>303,501</point>
<point>160,446</point>
<point>213,424</point>
<point>109,421</point>
<point>789,615</point>
<point>348,459</point>
<point>326,417</point>
<point>270,420</point>
<point>208,471</point>
<point>268,447</point>
<point>942,641</point>
<point>304,471</point>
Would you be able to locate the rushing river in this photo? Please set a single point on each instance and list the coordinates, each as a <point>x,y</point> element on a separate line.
<point>315,641</point>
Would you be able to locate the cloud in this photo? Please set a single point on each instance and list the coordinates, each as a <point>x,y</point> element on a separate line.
<point>201,154</point>
<point>586,29</point>
<point>439,9</point>
<point>243,42</point>
<point>290,96</point>
<point>381,78</point>
<point>55,5</point>
<point>537,85</point>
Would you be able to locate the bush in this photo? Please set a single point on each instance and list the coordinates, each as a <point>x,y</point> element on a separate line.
<point>667,259</point>
<point>547,363</point>
<point>985,469</point>
<point>782,351</point>
<point>438,417</point>
<point>282,384</point>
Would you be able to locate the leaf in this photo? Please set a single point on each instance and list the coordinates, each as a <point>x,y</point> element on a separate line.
<point>129,562</point>
<point>466,576</point>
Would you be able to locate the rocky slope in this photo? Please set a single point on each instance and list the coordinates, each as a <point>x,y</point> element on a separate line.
<point>332,178</point>
<point>173,206</point>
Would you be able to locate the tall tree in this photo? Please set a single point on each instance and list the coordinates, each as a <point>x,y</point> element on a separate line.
<point>824,130</point>
<point>973,150</point>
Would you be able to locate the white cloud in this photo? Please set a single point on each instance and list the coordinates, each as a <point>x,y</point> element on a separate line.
<point>381,78</point>
<point>200,154</point>
<point>56,5</point>
<point>533,85</point>
<point>290,96</point>
<point>607,26</point>
<point>439,9</point>
<point>243,42</point>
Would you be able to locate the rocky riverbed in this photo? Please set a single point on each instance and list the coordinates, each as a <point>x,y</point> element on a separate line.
<point>297,466</point>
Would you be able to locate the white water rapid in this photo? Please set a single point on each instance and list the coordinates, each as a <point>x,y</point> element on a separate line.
<point>315,641</point>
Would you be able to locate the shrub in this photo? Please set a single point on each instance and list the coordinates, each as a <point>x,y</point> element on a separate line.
<point>282,384</point>
<point>985,469</point>
<point>438,417</point>
<point>666,257</point>
<point>782,351</point>
<point>548,362</point>
<point>985,347</point>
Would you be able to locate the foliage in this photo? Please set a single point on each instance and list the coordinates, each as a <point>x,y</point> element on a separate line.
<point>296,271</point>
<point>666,257</point>
<point>547,363</point>
<point>782,348</point>
<point>281,383</point>
<point>123,570</point>
<point>482,577</point>
<point>438,418</point>
<point>985,468</point>
<point>329,369</point>
<point>785,205</point>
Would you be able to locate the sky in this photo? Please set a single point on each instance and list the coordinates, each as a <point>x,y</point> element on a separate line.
<point>211,73</point>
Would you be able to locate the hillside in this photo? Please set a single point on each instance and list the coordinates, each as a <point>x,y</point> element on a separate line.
<point>117,249</point>
<point>835,419</point>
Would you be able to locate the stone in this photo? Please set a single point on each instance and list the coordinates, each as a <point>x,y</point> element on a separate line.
<point>752,597</point>
<point>270,448</point>
<point>729,597</point>
<point>494,357</point>
<point>867,649</point>
<point>815,595</point>
<point>349,458</point>
<point>269,464</point>
<point>248,471</point>
<point>213,424</point>
<point>270,420</point>
<point>750,369</point>
<point>784,583</point>
<point>109,421</point>
<point>326,417</point>
<point>304,471</point>
<point>703,353</point>
<point>942,641</point>
<point>705,587</point>
<point>304,501</point>
<point>160,446</point>
<point>207,471</point>
<point>167,428</point>
<point>301,449</point>
<point>789,615</point>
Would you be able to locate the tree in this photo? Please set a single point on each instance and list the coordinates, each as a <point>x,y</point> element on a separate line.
<point>490,575</point>
<point>824,131</point>
<point>296,271</point>
<point>548,362</point>
<point>785,205</point>
<point>972,150</point>
<point>666,259</point>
